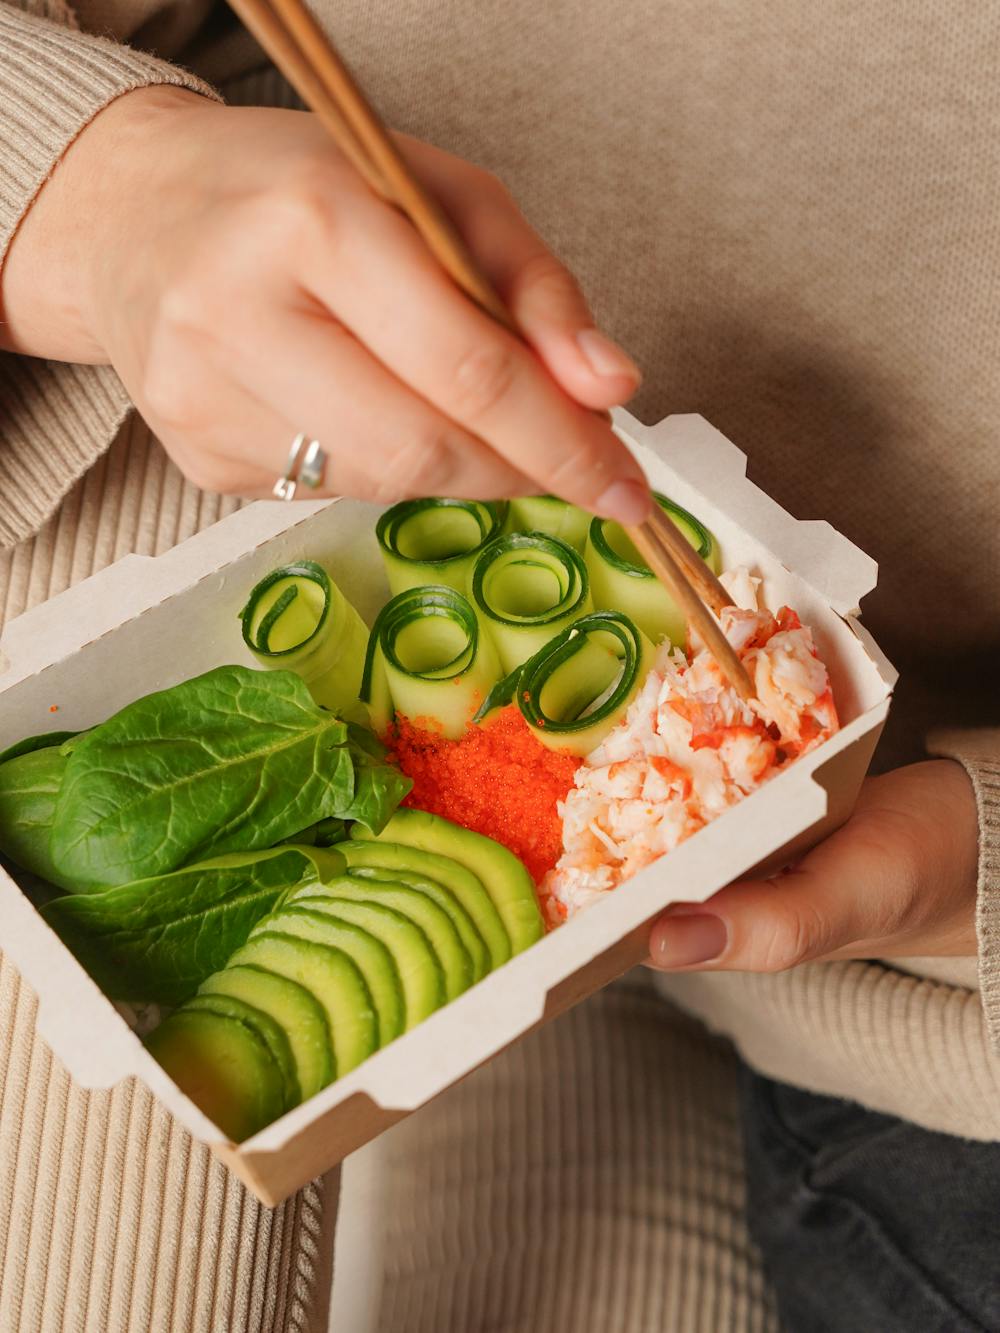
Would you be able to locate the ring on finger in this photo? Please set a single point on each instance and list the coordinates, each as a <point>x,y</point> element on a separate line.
<point>309,471</point>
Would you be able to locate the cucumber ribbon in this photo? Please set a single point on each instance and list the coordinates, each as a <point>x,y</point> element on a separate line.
<point>549,514</point>
<point>428,659</point>
<point>435,541</point>
<point>621,580</point>
<point>297,618</point>
<point>580,684</point>
<point>527,587</point>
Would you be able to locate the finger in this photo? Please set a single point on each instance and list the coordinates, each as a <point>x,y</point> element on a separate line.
<point>382,442</point>
<point>841,901</point>
<point>544,298</point>
<point>473,371</point>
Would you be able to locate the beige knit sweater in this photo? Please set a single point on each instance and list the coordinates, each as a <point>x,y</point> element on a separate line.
<point>788,214</point>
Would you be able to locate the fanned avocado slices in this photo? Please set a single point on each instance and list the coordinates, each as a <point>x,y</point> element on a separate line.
<point>297,1011</point>
<point>505,878</point>
<point>224,1066</point>
<point>399,925</point>
<point>420,972</point>
<point>421,909</point>
<point>374,960</point>
<point>336,982</point>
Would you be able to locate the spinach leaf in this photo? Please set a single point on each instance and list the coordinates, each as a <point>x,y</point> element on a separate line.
<point>32,743</point>
<point>29,789</point>
<point>157,939</point>
<point>376,783</point>
<point>232,760</point>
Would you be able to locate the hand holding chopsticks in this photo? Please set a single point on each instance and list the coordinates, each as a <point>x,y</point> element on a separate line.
<point>301,50</point>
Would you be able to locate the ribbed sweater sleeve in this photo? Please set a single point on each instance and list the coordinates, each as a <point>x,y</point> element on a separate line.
<point>979,754</point>
<point>55,418</point>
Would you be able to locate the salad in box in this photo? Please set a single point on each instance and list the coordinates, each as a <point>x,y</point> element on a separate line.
<point>299,874</point>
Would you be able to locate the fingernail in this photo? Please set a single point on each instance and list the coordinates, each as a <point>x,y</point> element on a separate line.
<point>686,941</point>
<point>605,357</point>
<point>627,501</point>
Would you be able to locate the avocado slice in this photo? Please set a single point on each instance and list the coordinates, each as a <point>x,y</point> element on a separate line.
<point>398,860</point>
<point>297,1011</point>
<point>433,920</point>
<point>271,1034</point>
<point>378,967</point>
<point>460,919</point>
<point>507,881</point>
<point>223,1066</point>
<point>420,973</point>
<point>336,982</point>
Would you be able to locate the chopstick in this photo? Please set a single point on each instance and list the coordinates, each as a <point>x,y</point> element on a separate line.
<point>655,541</point>
<point>301,50</point>
<point>305,55</point>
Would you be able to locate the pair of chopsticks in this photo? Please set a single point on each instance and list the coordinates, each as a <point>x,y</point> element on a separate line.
<point>304,54</point>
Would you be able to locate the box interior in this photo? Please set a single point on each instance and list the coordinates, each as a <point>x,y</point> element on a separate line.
<point>146,624</point>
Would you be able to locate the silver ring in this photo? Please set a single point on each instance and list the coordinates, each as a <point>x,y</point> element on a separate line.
<point>310,472</point>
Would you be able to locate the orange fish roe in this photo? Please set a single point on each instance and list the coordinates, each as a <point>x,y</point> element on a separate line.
<point>497,779</point>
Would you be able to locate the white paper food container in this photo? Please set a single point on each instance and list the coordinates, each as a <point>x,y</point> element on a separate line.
<point>145,623</point>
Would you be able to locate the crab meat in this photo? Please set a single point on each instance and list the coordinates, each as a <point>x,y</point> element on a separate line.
<point>688,748</point>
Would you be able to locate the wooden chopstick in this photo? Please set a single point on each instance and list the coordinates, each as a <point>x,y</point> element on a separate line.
<point>711,591</point>
<point>301,50</point>
<point>305,55</point>
<point>649,543</point>
<point>270,31</point>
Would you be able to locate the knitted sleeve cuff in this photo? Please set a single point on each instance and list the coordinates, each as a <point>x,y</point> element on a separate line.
<point>55,419</point>
<point>979,754</point>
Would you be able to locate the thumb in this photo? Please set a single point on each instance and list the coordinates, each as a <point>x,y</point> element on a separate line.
<point>836,903</point>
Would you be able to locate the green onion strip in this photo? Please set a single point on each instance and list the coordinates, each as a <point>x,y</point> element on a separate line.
<point>428,660</point>
<point>526,588</point>
<point>580,684</point>
<point>621,580</point>
<point>435,541</point>
<point>296,618</point>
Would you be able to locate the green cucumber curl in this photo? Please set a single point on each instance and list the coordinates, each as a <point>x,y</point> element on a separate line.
<point>551,515</point>
<point>575,689</point>
<point>427,659</point>
<point>621,580</point>
<point>297,619</point>
<point>526,587</point>
<point>435,541</point>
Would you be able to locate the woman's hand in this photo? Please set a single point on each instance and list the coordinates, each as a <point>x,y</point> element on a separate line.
<point>247,285</point>
<point>897,881</point>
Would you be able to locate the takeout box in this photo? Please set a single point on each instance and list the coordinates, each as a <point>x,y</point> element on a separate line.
<point>145,623</point>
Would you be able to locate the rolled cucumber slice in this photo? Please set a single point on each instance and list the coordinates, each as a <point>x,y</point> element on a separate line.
<point>420,972</point>
<point>419,907</point>
<point>297,618</point>
<point>435,540</point>
<point>336,982</point>
<point>526,587</point>
<point>377,965</point>
<point>576,688</point>
<point>505,878</point>
<point>271,1033</point>
<point>549,514</point>
<point>396,860</point>
<point>224,1066</point>
<point>428,660</point>
<point>297,1011</point>
<point>620,580</point>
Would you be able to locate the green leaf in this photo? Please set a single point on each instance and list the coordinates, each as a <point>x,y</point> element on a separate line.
<point>42,742</point>
<point>157,939</point>
<point>378,787</point>
<point>232,760</point>
<point>29,790</point>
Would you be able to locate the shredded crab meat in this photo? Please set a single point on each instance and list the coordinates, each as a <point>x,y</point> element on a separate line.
<point>688,748</point>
